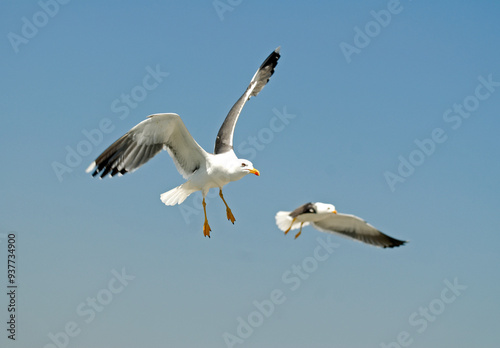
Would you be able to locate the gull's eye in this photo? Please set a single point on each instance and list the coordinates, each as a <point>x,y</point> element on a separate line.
<point>243,164</point>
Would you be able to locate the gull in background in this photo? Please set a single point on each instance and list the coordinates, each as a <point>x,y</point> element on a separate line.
<point>325,218</point>
<point>202,170</point>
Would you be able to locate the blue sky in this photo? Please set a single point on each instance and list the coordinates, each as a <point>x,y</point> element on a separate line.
<point>389,110</point>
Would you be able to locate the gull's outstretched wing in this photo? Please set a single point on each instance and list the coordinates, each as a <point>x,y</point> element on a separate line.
<point>356,228</point>
<point>224,141</point>
<point>144,141</point>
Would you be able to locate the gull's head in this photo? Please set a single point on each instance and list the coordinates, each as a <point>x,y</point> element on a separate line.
<point>238,168</point>
<point>246,167</point>
<point>322,208</point>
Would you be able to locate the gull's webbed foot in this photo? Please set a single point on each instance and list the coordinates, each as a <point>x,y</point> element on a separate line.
<point>289,228</point>
<point>206,226</point>
<point>230,215</point>
<point>206,229</point>
<point>300,231</point>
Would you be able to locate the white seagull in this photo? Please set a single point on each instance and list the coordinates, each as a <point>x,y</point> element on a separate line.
<point>325,218</point>
<point>202,170</point>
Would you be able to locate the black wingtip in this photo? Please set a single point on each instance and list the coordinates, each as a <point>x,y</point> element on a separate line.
<point>395,243</point>
<point>272,59</point>
<point>101,173</point>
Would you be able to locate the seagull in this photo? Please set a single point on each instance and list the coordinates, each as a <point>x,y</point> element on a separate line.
<point>325,218</point>
<point>201,169</point>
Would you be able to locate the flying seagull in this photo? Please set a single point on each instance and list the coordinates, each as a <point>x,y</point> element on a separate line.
<point>325,218</point>
<point>202,170</point>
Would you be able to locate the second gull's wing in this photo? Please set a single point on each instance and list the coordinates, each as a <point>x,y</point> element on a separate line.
<point>356,228</point>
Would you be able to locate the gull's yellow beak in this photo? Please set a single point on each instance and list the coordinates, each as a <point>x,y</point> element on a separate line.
<point>335,212</point>
<point>254,171</point>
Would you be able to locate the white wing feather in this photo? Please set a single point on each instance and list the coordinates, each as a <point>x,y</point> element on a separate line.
<point>145,140</point>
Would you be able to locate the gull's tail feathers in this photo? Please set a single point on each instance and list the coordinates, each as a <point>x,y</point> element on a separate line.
<point>177,195</point>
<point>284,221</point>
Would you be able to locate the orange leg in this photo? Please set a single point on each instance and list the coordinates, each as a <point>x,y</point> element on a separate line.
<point>300,231</point>
<point>230,215</point>
<point>289,228</point>
<point>206,226</point>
